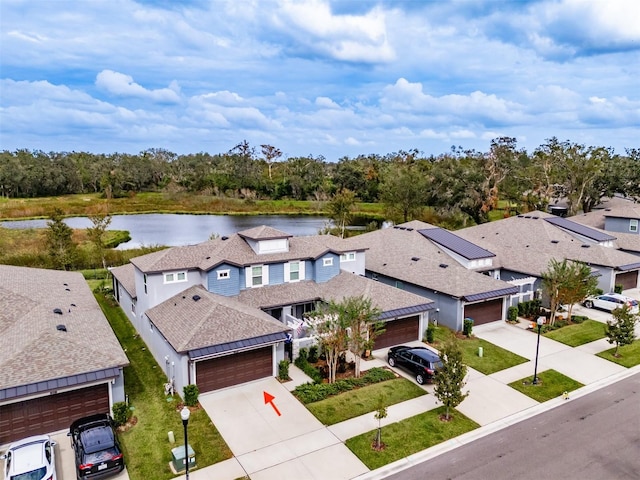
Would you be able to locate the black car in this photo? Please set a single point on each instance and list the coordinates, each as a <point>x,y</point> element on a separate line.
<point>96,447</point>
<point>420,361</point>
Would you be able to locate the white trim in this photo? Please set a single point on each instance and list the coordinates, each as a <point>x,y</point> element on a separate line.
<point>249,276</point>
<point>224,274</point>
<point>633,225</point>
<point>174,277</point>
<point>327,262</point>
<point>348,257</point>
<point>49,393</point>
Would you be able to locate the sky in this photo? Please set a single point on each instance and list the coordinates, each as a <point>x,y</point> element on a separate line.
<point>330,79</point>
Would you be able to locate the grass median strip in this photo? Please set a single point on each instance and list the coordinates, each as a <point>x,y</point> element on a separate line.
<point>409,436</point>
<point>628,355</point>
<point>494,358</point>
<point>551,384</point>
<point>146,446</point>
<point>363,400</point>
<point>578,333</point>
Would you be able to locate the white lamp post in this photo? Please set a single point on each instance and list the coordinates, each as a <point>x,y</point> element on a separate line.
<point>184,414</point>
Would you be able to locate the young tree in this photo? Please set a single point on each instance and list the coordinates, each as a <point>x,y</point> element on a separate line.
<point>620,330</point>
<point>449,380</point>
<point>96,234</point>
<point>381,412</point>
<point>60,245</point>
<point>340,208</point>
<point>567,282</point>
<point>332,338</point>
<point>363,326</point>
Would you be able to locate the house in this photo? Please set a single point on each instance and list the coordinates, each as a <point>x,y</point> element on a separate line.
<point>525,244</point>
<point>59,359</point>
<point>430,261</point>
<point>620,218</point>
<point>218,313</point>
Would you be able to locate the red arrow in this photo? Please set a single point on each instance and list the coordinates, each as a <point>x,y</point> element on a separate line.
<point>268,398</point>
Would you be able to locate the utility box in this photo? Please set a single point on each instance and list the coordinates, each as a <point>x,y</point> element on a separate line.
<point>178,460</point>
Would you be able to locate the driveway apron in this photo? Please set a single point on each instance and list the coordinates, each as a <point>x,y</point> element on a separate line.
<point>277,438</point>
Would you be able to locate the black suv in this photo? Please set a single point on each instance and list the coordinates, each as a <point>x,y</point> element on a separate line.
<point>95,444</point>
<point>420,361</point>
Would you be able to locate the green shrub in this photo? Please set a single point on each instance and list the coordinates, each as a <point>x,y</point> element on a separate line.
<point>599,291</point>
<point>303,354</point>
<point>617,288</point>
<point>578,318</point>
<point>512,314</point>
<point>467,327</point>
<point>120,413</point>
<point>283,370</point>
<point>191,393</point>
<point>302,363</point>
<point>430,333</point>
<point>313,354</point>
<point>314,392</point>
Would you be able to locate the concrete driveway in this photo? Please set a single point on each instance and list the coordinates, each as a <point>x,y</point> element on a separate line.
<point>280,439</point>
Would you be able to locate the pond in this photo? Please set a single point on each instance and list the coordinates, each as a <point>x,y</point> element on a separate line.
<point>174,229</point>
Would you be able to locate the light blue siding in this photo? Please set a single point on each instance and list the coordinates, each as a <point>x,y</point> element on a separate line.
<point>276,273</point>
<point>228,287</point>
<point>326,273</point>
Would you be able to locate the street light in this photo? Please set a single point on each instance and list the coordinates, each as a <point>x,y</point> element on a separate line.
<point>540,322</point>
<point>184,414</point>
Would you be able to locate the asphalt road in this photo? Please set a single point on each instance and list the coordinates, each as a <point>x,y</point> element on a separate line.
<point>596,436</point>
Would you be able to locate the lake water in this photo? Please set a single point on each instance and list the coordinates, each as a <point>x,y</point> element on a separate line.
<point>174,230</point>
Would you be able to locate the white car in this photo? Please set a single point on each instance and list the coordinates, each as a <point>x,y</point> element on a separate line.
<point>31,458</point>
<point>611,301</point>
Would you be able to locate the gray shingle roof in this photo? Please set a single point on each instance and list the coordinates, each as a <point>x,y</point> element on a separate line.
<point>405,254</point>
<point>126,275</point>
<point>190,324</point>
<point>527,243</point>
<point>263,232</point>
<point>33,350</point>
<point>236,251</point>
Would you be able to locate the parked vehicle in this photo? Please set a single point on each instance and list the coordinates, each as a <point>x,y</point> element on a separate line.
<point>611,301</point>
<point>32,458</point>
<point>96,447</point>
<point>420,361</point>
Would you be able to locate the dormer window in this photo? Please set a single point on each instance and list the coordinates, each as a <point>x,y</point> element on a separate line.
<point>348,257</point>
<point>633,226</point>
<point>327,262</point>
<point>223,274</point>
<point>175,277</point>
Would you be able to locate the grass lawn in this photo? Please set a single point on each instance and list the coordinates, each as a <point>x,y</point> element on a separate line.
<point>578,333</point>
<point>551,384</point>
<point>629,355</point>
<point>363,400</point>
<point>146,446</point>
<point>409,436</point>
<point>493,359</point>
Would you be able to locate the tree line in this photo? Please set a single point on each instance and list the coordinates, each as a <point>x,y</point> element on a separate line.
<point>460,184</point>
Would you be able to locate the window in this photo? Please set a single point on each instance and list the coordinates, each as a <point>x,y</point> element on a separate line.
<point>145,283</point>
<point>175,277</point>
<point>133,308</point>
<point>348,257</point>
<point>223,274</point>
<point>294,271</point>
<point>327,262</point>
<point>256,276</point>
<point>399,285</point>
<point>633,226</point>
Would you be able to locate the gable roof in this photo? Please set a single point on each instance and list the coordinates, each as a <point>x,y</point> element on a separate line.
<point>236,251</point>
<point>33,349</point>
<point>391,301</point>
<point>405,254</point>
<point>126,275</point>
<point>197,319</point>
<point>263,232</point>
<point>526,244</point>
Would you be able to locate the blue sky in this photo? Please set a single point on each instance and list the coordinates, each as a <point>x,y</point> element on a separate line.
<point>315,77</point>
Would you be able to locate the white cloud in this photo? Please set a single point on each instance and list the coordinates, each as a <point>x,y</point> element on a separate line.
<point>120,84</point>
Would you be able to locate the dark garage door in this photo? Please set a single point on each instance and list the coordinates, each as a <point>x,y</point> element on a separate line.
<point>627,280</point>
<point>399,331</point>
<point>234,369</point>
<point>484,312</point>
<point>51,413</point>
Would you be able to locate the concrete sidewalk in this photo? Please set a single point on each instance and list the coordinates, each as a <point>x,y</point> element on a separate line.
<point>294,445</point>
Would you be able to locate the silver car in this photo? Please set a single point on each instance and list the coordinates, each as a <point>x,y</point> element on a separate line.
<point>611,301</point>
<point>31,458</point>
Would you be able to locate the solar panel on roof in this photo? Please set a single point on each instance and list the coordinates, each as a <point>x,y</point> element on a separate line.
<point>456,244</point>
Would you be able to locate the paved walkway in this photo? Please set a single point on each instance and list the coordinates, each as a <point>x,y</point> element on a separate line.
<point>295,445</point>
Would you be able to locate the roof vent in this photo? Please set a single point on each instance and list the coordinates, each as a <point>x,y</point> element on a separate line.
<point>535,217</point>
<point>196,298</point>
<point>73,304</point>
<point>66,284</point>
<point>409,229</point>
<point>57,311</point>
<point>607,209</point>
<point>68,289</point>
<point>443,265</point>
<point>208,258</point>
<point>555,241</point>
<point>61,328</point>
<point>415,259</point>
<point>584,245</point>
<point>224,237</point>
